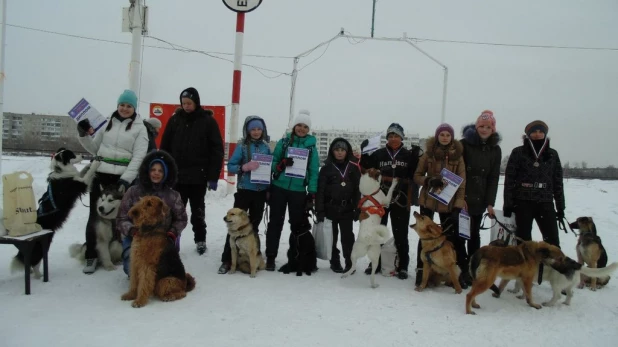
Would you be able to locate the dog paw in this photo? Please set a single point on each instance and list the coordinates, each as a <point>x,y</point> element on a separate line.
<point>231,272</point>
<point>299,274</point>
<point>566,303</point>
<point>458,291</point>
<point>419,289</point>
<point>594,289</point>
<point>374,286</point>
<point>109,267</point>
<point>471,312</point>
<point>580,286</point>
<point>344,276</point>
<point>138,304</point>
<point>128,296</point>
<point>548,304</point>
<point>252,276</point>
<point>514,291</point>
<point>495,295</point>
<point>537,306</point>
<point>476,306</point>
<point>521,297</point>
<point>395,181</point>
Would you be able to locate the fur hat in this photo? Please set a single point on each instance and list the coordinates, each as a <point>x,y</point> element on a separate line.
<point>395,128</point>
<point>536,125</point>
<point>486,118</point>
<point>128,97</point>
<point>155,122</point>
<point>444,127</point>
<point>303,117</point>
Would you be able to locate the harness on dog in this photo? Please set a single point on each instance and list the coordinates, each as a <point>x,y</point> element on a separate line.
<point>240,237</point>
<point>377,208</point>
<point>47,205</point>
<point>428,253</point>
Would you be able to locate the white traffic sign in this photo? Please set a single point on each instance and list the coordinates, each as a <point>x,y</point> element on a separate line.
<point>242,5</point>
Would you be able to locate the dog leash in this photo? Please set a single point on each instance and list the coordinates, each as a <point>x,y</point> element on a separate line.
<point>561,226</point>
<point>509,231</point>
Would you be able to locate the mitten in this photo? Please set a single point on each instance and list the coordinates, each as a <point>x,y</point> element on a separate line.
<point>83,127</point>
<point>560,214</point>
<point>285,162</point>
<point>434,182</point>
<point>364,144</point>
<point>124,184</point>
<point>250,166</point>
<point>310,202</point>
<point>212,185</point>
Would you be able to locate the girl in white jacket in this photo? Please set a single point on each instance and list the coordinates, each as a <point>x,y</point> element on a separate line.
<point>120,146</point>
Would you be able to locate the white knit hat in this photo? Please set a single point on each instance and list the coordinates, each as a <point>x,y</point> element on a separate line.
<point>155,122</point>
<point>303,117</point>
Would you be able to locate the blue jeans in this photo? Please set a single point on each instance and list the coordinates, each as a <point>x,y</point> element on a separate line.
<point>126,254</point>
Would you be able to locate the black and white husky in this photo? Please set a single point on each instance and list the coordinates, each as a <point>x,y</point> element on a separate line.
<point>109,248</point>
<point>65,184</point>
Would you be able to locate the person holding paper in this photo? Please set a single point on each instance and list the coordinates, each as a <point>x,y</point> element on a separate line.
<point>337,197</point>
<point>396,161</point>
<point>121,148</point>
<point>442,152</point>
<point>482,155</point>
<point>533,181</point>
<point>193,138</point>
<point>249,196</point>
<point>295,169</point>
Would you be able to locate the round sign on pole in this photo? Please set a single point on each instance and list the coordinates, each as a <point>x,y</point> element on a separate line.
<point>242,5</point>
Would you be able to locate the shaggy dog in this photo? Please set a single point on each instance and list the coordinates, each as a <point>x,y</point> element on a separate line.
<point>590,250</point>
<point>438,254</point>
<point>246,254</point>
<point>109,249</point>
<point>64,186</point>
<point>156,267</point>
<point>372,233</point>
<point>301,254</point>
<point>510,262</point>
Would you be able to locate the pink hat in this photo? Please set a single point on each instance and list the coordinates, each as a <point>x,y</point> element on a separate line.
<point>486,118</point>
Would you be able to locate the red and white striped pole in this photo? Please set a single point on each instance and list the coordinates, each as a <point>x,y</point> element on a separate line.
<point>240,7</point>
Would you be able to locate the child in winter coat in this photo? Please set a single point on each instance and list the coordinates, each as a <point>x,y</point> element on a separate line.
<point>297,193</point>
<point>396,161</point>
<point>482,155</point>
<point>121,147</point>
<point>249,196</point>
<point>442,151</point>
<point>157,175</point>
<point>337,197</point>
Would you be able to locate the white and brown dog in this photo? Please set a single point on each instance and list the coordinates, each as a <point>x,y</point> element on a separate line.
<point>372,233</point>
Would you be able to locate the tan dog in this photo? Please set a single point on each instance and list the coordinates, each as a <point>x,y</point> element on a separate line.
<point>510,262</point>
<point>246,254</point>
<point>156,267</point>
<point>590,250</point>
<point>438,254</point>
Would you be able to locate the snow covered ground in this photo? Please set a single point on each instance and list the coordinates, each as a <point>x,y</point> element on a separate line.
<point>273,309</point>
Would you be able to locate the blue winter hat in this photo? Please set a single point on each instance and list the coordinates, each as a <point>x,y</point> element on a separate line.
<point>128,97</point>
<point>160,161</point>
<point>255,123</point>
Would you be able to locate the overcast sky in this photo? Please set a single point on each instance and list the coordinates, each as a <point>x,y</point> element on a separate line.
<point>363,86</point>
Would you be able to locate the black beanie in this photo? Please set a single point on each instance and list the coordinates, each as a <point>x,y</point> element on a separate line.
<point>192,94</point>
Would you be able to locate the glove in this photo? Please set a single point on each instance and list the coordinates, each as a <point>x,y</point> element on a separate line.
<point>171,236</point>
<point>560,214</point>
<point>124,184</point>
<point>285,162</point>
<point>357,213</point>
<point>250,166</point>
<point>83,127</point>
<point>434,182</point>
<point>212,185</point>
<point>507,212</point>
<point>309,202</point>
<point>320,217</point>
<point>364,144</point>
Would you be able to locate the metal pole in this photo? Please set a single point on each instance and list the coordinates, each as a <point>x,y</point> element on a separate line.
<point>240,29</point>
<point>136,45</point>
<point>445,83</point>
<point>293,89</point>
<point>2,54</point>
<point>373,17</point>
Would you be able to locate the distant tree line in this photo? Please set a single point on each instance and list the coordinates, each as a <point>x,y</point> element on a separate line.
<point>579,170</point>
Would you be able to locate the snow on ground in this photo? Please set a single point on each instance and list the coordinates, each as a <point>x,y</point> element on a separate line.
<point>273,309</point>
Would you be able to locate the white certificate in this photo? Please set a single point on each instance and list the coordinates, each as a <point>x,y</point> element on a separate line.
<point>373,144</point>
<point>301,158</point>
<point>263,172</point>
<point>464,224</point>
<point>83,110</point>
<point>451,184</point>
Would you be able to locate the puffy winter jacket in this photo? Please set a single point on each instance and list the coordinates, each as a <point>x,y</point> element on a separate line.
<point>121,146</point>
<point>310,182</point>
<point>242,154</point>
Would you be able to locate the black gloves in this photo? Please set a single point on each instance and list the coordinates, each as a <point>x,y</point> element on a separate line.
<point>309,202</point>
<point>560,214</point>
<point>357,213</point>
<point>124,184</point>
<point>83,126</point>
<point>285,162</point>
<point>434,182</point>
<point>364,144</point>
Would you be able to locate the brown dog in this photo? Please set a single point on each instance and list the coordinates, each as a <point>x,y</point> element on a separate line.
<point>438,254</point>
<point>590,250</point>
<point>510,262</point>
<point>156,267</point>
<point>244,243</point>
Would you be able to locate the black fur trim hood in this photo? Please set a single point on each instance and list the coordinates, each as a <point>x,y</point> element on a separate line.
<point>471,136</point>
<point>349,152</point>
<point>172,170</point>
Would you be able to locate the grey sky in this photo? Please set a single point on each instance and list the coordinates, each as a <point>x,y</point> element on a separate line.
<point>364,86</point>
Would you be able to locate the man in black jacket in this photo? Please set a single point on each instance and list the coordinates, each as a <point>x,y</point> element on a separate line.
<point>337,197</point>
<point>395,160</point>
<point>532,182</point>
<point>193,138</point>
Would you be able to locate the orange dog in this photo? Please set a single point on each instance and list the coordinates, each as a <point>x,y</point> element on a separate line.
<point>156,267</point>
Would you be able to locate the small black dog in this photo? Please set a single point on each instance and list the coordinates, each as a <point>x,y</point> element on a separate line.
<point>301,254</point>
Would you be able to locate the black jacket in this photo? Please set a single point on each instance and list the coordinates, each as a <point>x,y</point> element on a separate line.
<point>333,200</point>
<point>526,182</point>
<point>152,144</point>
<point>482,159</point>
<point>405,163</point>
<point>194,141</point>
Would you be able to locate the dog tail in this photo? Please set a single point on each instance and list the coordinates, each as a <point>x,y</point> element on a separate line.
<point>76,251</point>
<point>599,272</point>
<point>383,234</point>
<point>190,282</point>
<point>475,262</point>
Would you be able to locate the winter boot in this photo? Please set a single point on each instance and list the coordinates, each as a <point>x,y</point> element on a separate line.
<point>462,280</point>
<point>91,266</point>
<point>270,264</point>
<point>336,267</point>
<point>201,247</point>
<point>224,268</point>
<point>402,274</point>
<point>419,277</point>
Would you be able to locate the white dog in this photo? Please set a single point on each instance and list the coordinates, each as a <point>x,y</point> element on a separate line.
<point>372,234</point>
